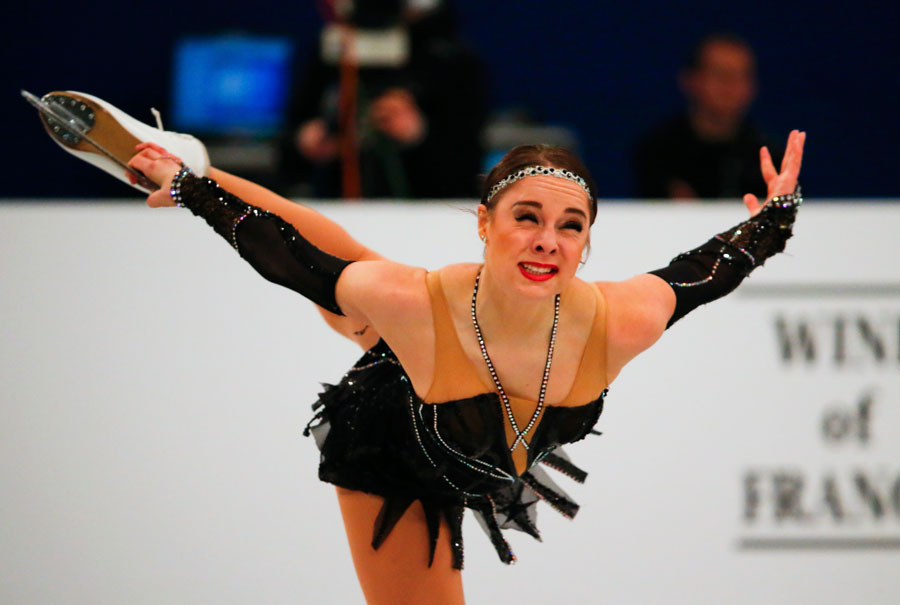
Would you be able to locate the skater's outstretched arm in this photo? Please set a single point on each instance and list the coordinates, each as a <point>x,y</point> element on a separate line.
<point>321,231</point>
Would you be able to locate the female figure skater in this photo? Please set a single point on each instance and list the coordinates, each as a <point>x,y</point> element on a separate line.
<point>482,370</point>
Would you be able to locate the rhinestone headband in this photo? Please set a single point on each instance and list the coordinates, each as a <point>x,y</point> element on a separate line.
<point>560,173</point>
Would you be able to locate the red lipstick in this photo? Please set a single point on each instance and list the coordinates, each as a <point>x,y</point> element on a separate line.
<point>544,272</point>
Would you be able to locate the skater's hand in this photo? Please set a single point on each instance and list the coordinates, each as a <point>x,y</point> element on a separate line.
<point>158,166</point>
<point>779,183</point>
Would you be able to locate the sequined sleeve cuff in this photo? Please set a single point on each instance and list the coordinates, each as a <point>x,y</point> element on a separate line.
<point>764,235</point>
<point>717,267</point>
<point>175,187</point>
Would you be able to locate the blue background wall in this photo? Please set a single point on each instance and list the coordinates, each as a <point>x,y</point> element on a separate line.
<point>609,73</point>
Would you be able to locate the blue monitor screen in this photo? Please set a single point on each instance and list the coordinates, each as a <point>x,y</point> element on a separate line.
<point>231,85</point>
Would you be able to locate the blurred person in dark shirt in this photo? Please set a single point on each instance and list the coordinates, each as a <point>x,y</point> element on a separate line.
<point>419,113</point>
<point>711,150</point>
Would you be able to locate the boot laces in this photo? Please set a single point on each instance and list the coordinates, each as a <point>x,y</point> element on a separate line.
<point>157,115</point>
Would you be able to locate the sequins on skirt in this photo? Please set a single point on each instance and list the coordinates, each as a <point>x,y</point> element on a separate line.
<point>375,435</point>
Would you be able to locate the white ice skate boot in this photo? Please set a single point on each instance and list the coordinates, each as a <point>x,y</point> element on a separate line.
<point>100,134</point>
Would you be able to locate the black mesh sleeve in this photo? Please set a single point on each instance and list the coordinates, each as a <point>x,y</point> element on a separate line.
<point>271,245</point>
<point>717,267</point>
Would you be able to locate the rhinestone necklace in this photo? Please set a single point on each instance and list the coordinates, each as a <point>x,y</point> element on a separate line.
<point>520,435</point>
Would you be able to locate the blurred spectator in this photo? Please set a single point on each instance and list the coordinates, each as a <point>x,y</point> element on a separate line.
<point>711,150</point>
<point>416,95</point>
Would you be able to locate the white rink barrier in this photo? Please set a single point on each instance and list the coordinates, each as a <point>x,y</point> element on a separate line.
<point>154,389</point>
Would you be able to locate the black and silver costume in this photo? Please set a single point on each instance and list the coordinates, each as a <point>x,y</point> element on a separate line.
<point>376,435</point>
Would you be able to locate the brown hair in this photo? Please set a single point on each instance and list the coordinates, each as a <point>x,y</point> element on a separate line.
<point>523,156</point>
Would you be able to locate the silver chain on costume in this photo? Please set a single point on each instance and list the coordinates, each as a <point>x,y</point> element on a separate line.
<point>520,435</point>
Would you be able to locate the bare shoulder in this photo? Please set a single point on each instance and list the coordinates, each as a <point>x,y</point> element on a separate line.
<point>456,282</point>
<point>645,286</point>
<point>393,298</point>
<point>638,310</point>
<point>580,301</point>
<point>459,274</point>
<point>380,289</point>
<point>369,271</point>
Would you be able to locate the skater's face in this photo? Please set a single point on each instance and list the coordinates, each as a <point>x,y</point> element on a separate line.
<point>535,234</point>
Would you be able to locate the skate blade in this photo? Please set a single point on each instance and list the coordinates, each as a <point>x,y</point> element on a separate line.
<point>69,120</point>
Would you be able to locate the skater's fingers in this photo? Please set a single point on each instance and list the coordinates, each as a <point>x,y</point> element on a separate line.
<point>146,160</point>
<point>153,146</point>
<point>158,169</point>
<point>752,204</point>
<point>144,155</point>
<point>156,153</point>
